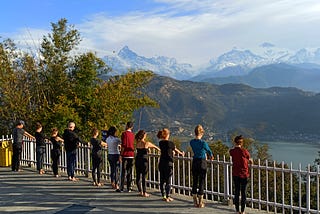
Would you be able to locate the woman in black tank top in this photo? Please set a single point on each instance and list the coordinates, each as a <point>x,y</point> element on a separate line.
<point>141,161</point>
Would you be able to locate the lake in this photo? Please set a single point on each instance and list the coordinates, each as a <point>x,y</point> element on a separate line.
<point>295,152</point>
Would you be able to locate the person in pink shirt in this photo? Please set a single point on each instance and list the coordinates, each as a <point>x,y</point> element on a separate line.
<point>240,172</point>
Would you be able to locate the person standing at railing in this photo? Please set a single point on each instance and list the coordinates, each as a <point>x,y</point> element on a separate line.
<point>141,161</point>
<point>168,149</point>
<point>200,150</point>
<point>18,134</point>
<point>96,157</point>
<point>240,172</point>
<point>127,156</point>
<point>71,142</point>
<point>113,143</point>
<point>56,150</point>
<point>40,147</point>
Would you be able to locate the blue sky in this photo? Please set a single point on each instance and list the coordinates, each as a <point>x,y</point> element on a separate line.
<point>192,31</point>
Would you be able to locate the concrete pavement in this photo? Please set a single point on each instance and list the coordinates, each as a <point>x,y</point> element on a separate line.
<point>29,192</point>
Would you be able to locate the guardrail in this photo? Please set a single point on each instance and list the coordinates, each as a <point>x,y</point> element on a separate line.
<point>272,187</point>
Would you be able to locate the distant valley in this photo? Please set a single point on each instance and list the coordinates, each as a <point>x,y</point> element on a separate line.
<point>272,95</point>
<point>267,114</point>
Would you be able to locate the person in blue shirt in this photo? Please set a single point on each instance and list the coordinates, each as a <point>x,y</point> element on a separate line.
<point>200,150</point>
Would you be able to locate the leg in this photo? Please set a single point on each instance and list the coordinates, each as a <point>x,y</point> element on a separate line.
<point>55,159</point>
<point>38,153</point>
<point>202,176</point>
<point>94,168</point>
<point>195,177</point>
<point>243,187</point>
<point>129,173</point>
<point>236,181</point>
<point>15,158</point>
<point>73,162</point>
<point>162,180</point>
<point>123,173</point>
<point>69,164</point>
<point>112,167</point>
<point>144,175</point>
<point>138,174</point>
<point>168,181</point>
<point>99,167</point>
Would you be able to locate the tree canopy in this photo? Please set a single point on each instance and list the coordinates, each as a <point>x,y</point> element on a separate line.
<point>55,85</point>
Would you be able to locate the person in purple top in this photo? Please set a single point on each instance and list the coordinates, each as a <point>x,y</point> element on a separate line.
<point>200,150</point>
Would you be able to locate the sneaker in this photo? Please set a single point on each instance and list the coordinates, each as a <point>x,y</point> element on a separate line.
<point>130,190</point>
<point>119,190</point>
<point>164,198</point>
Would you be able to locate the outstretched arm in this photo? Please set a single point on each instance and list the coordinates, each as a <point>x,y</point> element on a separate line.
<point>28,135</point>
<point>179,152</point>
<point>151,145</point>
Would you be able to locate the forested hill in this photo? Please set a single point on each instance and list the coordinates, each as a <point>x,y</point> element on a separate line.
<point>273,113</point>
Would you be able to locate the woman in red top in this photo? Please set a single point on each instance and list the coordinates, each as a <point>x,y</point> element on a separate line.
<point>240,172</point>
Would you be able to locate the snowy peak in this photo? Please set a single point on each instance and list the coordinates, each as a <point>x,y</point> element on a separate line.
<point>232,63</point>
<point>127,59</point>
<point>235,58</point>
<point>126,53</point>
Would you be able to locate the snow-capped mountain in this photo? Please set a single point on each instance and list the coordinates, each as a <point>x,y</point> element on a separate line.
<point>232,63</point>
<point>126,60</point>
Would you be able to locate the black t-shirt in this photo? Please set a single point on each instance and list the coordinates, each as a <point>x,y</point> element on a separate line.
<point>55,144</point>
<point>40,137</point>
<point>96,145</point>
<point>71,140</point>
<point>167,147</point>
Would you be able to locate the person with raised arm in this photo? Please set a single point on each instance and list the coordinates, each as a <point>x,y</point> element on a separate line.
<point>114,145</point>
<point>40,147</point>
<point>168,149</point>
<point>141,161</point>
<point>240,172</point>
<point>55,151</point>
<point>18,134</point>
<point>126,157</point>
<point>71,143</point>
<point>97,145</point>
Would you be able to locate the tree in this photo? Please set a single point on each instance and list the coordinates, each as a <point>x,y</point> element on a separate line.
<point>57,85</point>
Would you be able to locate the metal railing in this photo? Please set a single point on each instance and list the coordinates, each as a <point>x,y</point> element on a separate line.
<point>273,187</point>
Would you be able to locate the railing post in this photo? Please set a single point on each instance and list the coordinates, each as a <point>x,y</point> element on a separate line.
<point>308,189</point>
<point>226,181</point>
<point>88,160</point>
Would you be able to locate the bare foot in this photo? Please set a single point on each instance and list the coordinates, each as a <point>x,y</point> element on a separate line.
<point>75,179</point>
<point>145,194</point>
<point>169,199</point>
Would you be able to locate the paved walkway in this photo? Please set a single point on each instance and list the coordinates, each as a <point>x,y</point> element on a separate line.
<point>29,192</point>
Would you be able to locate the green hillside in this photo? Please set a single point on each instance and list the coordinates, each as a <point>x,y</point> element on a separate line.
<point>272,113</point>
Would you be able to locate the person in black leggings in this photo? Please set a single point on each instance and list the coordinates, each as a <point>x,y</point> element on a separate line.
<point>96,157</point>
<point>141,161</point>
<point>200,150</point>
<point>166,163</point>
<point>56,150</point>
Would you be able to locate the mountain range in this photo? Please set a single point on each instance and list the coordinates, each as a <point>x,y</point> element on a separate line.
<point>267,114</point>
<point>271,67</point>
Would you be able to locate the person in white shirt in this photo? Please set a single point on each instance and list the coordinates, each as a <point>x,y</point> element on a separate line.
<point>113,144</point>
